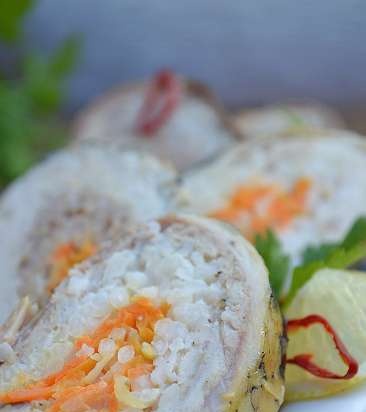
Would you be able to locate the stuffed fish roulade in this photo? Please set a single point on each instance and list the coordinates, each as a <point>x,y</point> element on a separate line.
<point>172,117</point>
<point>64,209</point>
<point>178,316</point>
<point>308,190</point>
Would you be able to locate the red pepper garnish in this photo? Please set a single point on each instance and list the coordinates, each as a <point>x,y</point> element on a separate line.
<point>304,360</point>
<point>160,102</point>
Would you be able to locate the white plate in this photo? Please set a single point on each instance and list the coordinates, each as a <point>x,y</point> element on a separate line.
<point>351,401</point>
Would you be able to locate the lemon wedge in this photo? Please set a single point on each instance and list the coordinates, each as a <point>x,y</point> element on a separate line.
<point>339,296</point>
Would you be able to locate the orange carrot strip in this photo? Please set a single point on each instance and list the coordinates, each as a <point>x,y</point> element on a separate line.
<point>73,363</point>
<point>247,197</point>
<point>63,251</point>
<point>30,394</point>
<point>229,214</point>
<point>88,394</point>
<point>143,369</point>
<point>65,257</point>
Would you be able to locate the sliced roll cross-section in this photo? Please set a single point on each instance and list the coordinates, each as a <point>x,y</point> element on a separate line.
<point>64,209</point>
<point>178,316</point>
<point>309,190</point>
<point>174,118</point>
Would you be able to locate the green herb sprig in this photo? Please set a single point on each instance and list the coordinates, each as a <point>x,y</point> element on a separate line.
<point>341,255</point>
<point>32,92</point>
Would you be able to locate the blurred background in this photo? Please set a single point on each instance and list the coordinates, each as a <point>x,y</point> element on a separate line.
<point>57,55</point>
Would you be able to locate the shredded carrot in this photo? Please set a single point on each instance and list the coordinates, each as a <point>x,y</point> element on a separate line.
<point>140,370</point>
<point>67,389</point>
<point>64,257</point>
<point>256,208</point>
<point>127,317</point>
<point>72,365</point>
<point>137,362</point>
<point>80,399</point>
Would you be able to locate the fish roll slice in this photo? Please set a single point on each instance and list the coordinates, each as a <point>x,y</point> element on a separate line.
<point>178,316</point>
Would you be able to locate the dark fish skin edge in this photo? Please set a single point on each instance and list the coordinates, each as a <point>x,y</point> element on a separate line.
<point>263,387</point>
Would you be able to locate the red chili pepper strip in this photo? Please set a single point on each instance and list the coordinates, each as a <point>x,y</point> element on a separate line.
<point>304,360</point>
<point>161,100</point>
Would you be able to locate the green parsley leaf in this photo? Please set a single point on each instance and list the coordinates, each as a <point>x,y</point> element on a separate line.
<point>348,252</point>
<point>32,91</point>
<point>44,78</point>
<point>64,59</point>
<point>355,235</point>
<point>25,137</point>
<point>277,262</point>
<point>11,18</point>
<point>316,253</point>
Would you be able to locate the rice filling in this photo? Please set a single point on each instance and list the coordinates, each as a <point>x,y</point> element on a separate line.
<point>166,317</point>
